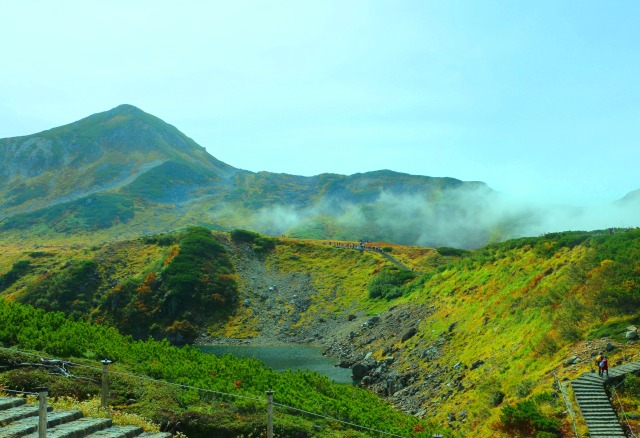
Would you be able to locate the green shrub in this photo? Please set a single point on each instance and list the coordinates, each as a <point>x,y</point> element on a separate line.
<point>70,291</point>
<point>18,269</point>
<point>160,239</point>
<point>244,236</point>
<point>524,388</point>
<point>264,244</point>
<point>455,252</point>
<point>390,283</point>
<point>632,385</point>
<point>527,418</point>
<point>261,244</point>
<point>496,398</point>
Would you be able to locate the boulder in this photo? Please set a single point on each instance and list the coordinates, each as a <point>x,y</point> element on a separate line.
<point>409,334</point>
<point>476,364</point>
<point>572,360</point>
<point>631,335</point>
<point>430,353</point>
<point>359,370</point>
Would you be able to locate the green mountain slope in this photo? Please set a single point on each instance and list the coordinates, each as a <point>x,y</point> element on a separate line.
<point>142,172</point>
<point>100,153</point>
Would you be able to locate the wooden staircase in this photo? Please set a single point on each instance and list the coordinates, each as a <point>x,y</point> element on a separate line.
<point>17,419</point>
<point>595,406</point>
<point>591,396</point>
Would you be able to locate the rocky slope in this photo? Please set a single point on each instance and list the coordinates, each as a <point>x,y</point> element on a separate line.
<point>474,338</point>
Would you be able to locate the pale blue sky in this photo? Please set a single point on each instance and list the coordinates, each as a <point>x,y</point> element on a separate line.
<point>538,99</point>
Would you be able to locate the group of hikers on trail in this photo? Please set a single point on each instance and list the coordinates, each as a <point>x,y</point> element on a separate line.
<point>603,364</point>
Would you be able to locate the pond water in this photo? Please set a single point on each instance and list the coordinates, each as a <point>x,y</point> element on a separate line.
<point>286,357</point>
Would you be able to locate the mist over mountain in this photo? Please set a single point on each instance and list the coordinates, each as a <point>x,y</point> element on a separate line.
<point>124,172</point>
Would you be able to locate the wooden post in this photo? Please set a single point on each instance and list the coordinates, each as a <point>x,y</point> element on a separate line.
<point>269,414</point>
<point>105,383</point>
<point>42,412</point>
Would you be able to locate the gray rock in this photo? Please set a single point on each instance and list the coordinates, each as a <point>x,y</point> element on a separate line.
<point>609,347</point>
<point>409,334</point>
<point>631,335</point>
<point>572,360</point>
<point>359,370</point>
<point>430,353</point>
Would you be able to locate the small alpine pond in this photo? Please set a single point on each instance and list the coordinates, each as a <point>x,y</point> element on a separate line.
<point>286,357</point>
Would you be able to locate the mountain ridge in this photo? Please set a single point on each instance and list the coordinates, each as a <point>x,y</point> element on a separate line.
<point>127,159</point>
<point>125,156</point>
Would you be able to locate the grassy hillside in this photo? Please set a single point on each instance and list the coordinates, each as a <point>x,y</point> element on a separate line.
<point>471,339</point>
<point>492,326</point>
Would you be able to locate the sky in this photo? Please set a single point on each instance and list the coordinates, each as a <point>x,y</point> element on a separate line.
<point>539,100</point>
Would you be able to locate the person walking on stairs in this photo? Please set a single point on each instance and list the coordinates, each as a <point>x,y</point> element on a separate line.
<point>604,366</point>
<point>598,360</point>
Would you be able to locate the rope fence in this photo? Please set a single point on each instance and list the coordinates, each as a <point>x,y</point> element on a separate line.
<point>62,367</point>
<point>563,391</point>
<point>624,414</point>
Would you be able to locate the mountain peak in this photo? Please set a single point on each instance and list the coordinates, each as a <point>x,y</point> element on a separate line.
<point>126,108</point>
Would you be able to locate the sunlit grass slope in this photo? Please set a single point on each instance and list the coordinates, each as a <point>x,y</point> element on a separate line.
<point>502,319</point>
<point>515,312</point>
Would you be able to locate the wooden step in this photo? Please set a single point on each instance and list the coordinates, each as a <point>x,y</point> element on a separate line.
<point>76,429</point>
<point>29,425</point>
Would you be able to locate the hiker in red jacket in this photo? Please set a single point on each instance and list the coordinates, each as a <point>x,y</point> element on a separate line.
<point>604,366</point>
